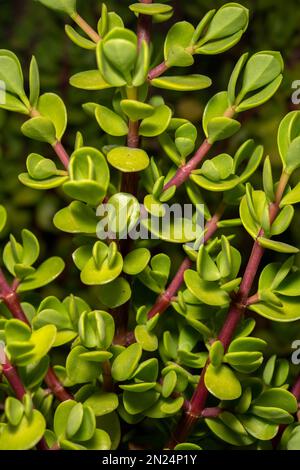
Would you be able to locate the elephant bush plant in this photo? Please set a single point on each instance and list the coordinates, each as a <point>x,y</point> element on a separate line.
<point>161,361</point>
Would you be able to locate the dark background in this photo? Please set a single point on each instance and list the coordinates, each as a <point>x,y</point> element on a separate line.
<point>28,28</point>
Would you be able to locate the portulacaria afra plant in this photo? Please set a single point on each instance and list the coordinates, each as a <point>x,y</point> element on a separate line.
<point>159,361</point>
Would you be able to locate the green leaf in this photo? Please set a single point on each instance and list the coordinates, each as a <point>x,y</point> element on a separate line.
<point>157,123</point>
<point>182,82</point>
<point>145,400</point>
<point>89,80</point>
<point>179,37</point>
<point>292,160</point>
<point>206,267</point>
<point>43,275</point>
<point>289,130</point>
<point>79,369</point>
<point>101,269</point>
<point>215,108</point>
<point>48,183</point>
<point>39,167</point>
<point>232,84</point>
<point>3,217</point>
<point>142,65</point>
<point>116,56</point>
<point>216,353</point>
<point>136,261</point>
<point>76,218</point>
<point>287,313</point>
<point>52,107</point>
<point>185,138</point>
<point>41,129</point>
<point>275,415</point>
<point>150,9</point>
<point>110,122</point>
<point>222,382</point>
<point>108,21</point>
<point>228,20</point>
<point>169,384</point>
<point>89,176</point>
<point>136,110</point>
<point>11,74</point>
<point>227,434</point>
<point>24,436</point>
<point>127,159</point>
<point>14,410</point>
<point>259,428</point>
<point>261,69</point>
<point>252,216</point>
<point>13,104</point>
<point>146,339</point>
<point>268,183</point>
<point>102,403</point>
<point>79,40</point>
<point>126,363</point>
<point>96,330</point>
<point>221,128</point>
<point>116,293</point>
<point>66,6</point>
<point>282,221</point>
<point>280,247</point>
<point>34,82</point>
<point>292,197</point>
<point>261,97</point>
<point>208,292</point>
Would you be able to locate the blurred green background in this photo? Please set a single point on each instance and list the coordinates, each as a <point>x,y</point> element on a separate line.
<point>28,28</point>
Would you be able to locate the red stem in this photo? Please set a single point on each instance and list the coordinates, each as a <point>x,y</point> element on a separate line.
<point>62,154</point>
<point>12,376</point>
<point>236,310</point>
<point>56,387</point>
<point>296,389</point>
<point>211,412</point>
<point>144,26</point>
<point>157,71</point>
<point>184,172</point>
<point>57,146</point>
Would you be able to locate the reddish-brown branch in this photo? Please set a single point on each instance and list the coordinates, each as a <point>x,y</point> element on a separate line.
<point>12,302</point>
<point>144,26</point>
<point>57,146</point>
<point>236,310</point>
<point>296,389</point>
<point>157,71</point>
<point>62,154</point>
<point>11,374</point>
<point>56,387</point>
<point>184,172</point>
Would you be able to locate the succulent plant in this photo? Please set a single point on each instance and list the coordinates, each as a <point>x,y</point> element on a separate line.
<point>166,346</point>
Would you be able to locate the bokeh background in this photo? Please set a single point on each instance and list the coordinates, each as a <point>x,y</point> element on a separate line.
<point>28,28</point>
